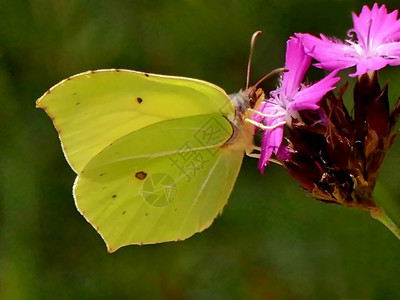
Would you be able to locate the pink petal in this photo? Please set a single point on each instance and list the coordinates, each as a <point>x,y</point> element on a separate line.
<point>389,50</point>
<point>376,26</point>
<point>331,54</point>
<point>308,97</point>
<point>283,153</point>
<point>394,62</point>
<point>297,63</point>
<point>370,63</point>
<point>272,138</point>
<point>257,117</point>
<point>269,108</point>
<point>271,142</point>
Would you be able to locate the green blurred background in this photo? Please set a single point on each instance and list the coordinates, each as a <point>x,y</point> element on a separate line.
<point>271,242</point>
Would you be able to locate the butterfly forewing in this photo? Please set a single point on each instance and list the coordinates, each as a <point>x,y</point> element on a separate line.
<point>93,109</point>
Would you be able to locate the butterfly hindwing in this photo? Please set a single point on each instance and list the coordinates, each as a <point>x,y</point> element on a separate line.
<point>160,183</point>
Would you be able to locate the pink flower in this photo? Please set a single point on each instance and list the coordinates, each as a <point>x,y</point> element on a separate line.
<point>290,97</point>
<point>375,43</point>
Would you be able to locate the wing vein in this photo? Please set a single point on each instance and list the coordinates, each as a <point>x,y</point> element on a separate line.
<point>199,193</point>
<point>155,155</point>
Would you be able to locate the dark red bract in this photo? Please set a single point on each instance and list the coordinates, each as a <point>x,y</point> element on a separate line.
<point>335,156</point>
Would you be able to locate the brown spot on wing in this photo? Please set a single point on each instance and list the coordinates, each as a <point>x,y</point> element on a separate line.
<point>139,100</point>
<point>141,175</point>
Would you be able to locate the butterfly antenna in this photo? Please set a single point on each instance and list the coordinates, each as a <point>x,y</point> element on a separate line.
<point>252,43</point>
<point>279,70</point>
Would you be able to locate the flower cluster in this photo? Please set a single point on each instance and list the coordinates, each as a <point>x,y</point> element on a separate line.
<point>334,155</point>
<point>286,101</point>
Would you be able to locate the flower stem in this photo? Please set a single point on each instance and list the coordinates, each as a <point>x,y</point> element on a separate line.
<point>379,214</point>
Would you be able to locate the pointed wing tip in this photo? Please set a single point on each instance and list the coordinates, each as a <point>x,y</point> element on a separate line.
<point>49,91</point>
<point>39,103</point>
<point>111,250</point>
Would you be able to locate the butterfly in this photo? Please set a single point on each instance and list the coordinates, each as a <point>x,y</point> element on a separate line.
<point>156,156</point>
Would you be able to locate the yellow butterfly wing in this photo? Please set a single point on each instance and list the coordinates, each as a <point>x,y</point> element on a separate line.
<point>92,109</point>
<point>156,156</point>
<point>164,182</point>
